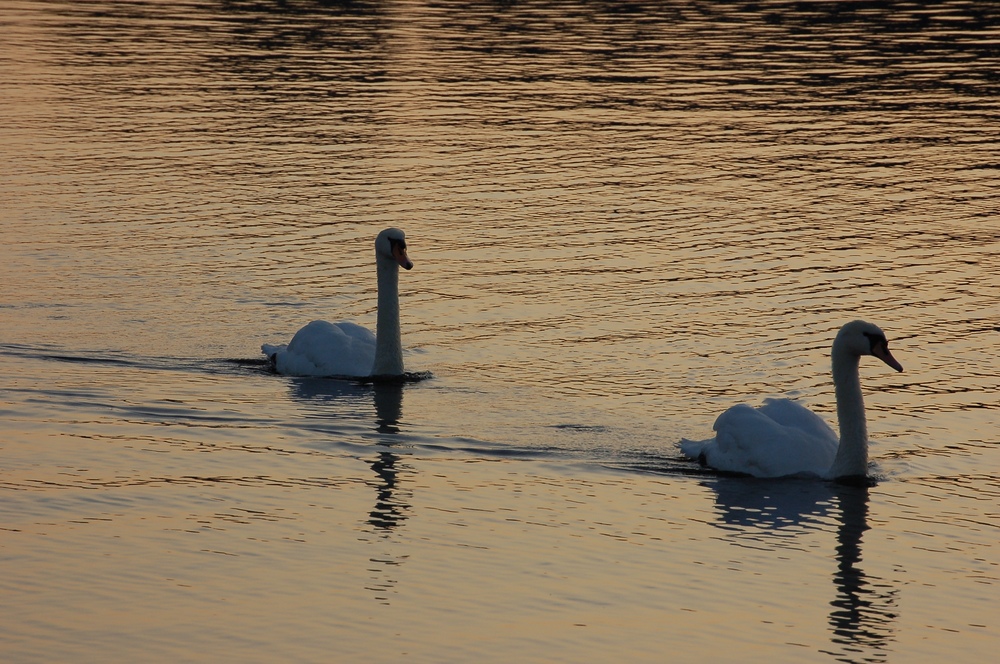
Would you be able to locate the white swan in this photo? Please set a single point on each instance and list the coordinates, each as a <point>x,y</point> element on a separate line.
<point>783,438</point>
<point>347,349</point>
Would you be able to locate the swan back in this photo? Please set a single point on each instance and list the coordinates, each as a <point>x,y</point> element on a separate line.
<point>326,349</point>
<point>780,438</point>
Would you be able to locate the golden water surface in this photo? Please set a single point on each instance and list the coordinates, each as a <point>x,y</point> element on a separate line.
<point>624,218</point>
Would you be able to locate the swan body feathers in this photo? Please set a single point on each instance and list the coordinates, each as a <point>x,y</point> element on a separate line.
<point>322,348</point>
<point>779,438</point>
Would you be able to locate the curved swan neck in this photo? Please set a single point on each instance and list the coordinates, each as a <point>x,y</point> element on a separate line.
<point>388,343</point>
<point>852,453</point>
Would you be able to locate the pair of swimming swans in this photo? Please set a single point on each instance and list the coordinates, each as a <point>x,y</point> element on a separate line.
<point>780,438</point>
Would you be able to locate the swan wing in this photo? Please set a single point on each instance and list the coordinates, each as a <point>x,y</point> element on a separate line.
<point>792,414</point>
<point>326,349</point>
<point>272,349</point>
<point>356,333</point>
<point>771,441</point>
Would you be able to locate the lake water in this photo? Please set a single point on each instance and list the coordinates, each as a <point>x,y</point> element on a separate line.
<point>624,218</point>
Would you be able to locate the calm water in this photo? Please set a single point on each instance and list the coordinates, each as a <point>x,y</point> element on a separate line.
<point>625,217</point>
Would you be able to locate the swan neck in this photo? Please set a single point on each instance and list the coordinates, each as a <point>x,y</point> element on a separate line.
<point>852,453</point>
<point>388,343</point>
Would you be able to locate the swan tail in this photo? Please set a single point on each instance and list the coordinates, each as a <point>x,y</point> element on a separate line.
<point>271,350</point>
<point>694,449</point>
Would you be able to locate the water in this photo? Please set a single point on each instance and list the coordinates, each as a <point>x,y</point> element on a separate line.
<point>624,219</point>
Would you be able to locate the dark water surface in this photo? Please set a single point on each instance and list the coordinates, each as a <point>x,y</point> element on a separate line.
<point>625,217</point>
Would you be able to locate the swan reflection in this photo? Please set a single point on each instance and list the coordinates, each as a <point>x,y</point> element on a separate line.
<point>390,507</point>
<point>865,607</point>
<point>388,406</point>
<point>319,394</point>
<point>770,506</point>
<point>863,612</point>
<point>392,503</point>
<point>352,400</point>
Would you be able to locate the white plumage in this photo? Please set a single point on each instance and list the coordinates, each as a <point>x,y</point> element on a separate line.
<point>322,348</point>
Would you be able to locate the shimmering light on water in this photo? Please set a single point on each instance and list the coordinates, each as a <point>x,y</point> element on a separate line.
<point>624,218</point>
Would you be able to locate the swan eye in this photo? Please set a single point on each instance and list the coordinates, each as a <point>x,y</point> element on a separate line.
<point>876,340</point>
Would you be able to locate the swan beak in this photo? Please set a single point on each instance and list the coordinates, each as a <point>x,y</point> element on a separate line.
<point>882,353</point>
<point>399,253</point>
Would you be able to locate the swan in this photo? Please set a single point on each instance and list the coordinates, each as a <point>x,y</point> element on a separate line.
<point>782,438</point>
<point>348,349</point>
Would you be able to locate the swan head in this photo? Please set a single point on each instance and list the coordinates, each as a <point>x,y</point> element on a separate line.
<point>390,245</point>
<point>859,338</point>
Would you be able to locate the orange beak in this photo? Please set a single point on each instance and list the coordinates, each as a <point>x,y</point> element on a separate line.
<point>882,353</point>
<point>399,253</point>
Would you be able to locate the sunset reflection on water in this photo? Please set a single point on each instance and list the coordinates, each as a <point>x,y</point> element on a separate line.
<point>625,218</point>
